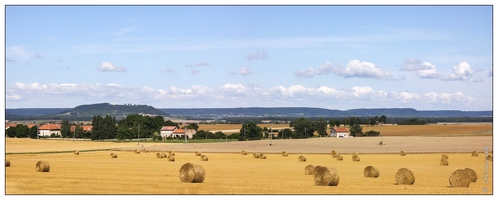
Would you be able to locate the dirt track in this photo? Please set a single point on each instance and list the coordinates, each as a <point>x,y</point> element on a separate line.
<point>344,145</point>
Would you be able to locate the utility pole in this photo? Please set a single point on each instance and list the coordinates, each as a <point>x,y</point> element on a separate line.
<point>186,135</point>
<point>271,134</point>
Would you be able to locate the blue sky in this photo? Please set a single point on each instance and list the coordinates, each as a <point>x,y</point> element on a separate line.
<point>336,57</point>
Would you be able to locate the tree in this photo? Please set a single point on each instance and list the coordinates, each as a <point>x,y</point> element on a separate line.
<point>321,127</point>
<point>194,126</point>
<point>220,135</point>
<point>33,132</point>
<point>11,132</point>
<point>251,131</point>
<point>103,127</point>
<point>286,133</point>
<point>355,130</point>
<point>382,119</point>
<point>78,131</point>
<point>65,128</point>
<point>21,131</point>
<point>303,128</point>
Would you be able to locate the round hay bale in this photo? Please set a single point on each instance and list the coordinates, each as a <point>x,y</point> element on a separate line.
<point>255,155</point>
<point>262,156</point>
<point>171,153</point>
<point>76,152</point>
<point>158,155</point>
<point>137,151</point>
<point>334,154</point>
<point>325,176</point>
<point>489,158</point>
<point>402,153</point>
<point>472,174</point>
<point>204,158</point>
<point>171,158</point>
<point>339,158</point>
<point>404,176</point>
<point>371,171</point>
<point>301,159</point>
<point>192,173</point>
<point>113,155</point>
<point>42,166</point>
<point>460,178</point>
<point>443,162</point>
<point>197,153</point>
<point>308,170</point>
<point>244,152</point>
<point>475,154</point>
<point>444,156</point>
<point>7,163</point>
<point>284,153</point>
<point>356,158</point>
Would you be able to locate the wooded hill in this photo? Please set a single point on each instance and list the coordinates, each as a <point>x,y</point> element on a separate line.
<point>83,112</point>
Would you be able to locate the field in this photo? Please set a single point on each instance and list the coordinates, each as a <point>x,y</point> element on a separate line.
<point>93,171</point>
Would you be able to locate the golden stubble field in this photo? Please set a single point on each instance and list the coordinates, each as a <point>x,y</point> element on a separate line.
<point>230,173</point>
<point>93,171</point>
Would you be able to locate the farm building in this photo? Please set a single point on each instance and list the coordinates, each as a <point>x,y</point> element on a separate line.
<point>339,132</point>
<point>48,129</point>
<point>86,128</point>
<point>181,132</point>
<point>166,131</point>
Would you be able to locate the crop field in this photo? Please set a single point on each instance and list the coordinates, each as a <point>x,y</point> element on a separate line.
<point>93,171</point>
<point>387,130</point>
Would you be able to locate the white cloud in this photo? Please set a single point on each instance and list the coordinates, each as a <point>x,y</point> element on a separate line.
<point>257,55</point>
<point>199,64</point>
<point>233,89</point>
<point>309,73</point>
<point>461,72</point>
<point>245,71</point>
<point>13,97</point>
<point>448,98</point>
<point>239,94</point>
<point>355,68</point>
<point>17,52</point>
<point>427,71</point>
<point>109,67</point>
<point>407,96</point>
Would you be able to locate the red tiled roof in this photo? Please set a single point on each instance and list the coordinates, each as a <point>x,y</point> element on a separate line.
<point>181,131</point>
<point>168,128</point>
<point>85,128</point>
<point>341,130</point>
<point>10,125</point>
<point>50,127</point>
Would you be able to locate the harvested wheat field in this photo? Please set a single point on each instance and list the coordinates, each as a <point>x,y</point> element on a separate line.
<point>229,172</point>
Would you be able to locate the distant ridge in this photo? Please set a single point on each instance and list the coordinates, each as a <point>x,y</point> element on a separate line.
<point>86,112</point>
<point>317,112</point>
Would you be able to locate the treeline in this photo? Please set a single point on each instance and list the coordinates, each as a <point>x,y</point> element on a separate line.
<point>362,120</point>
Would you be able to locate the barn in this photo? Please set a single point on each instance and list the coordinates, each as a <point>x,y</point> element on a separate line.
<point>339,132</point>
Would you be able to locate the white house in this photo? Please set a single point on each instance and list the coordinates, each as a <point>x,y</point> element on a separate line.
<point>339,132</point>
<point>166,131</point>
<point>181,132</point>
<point>48,129</point>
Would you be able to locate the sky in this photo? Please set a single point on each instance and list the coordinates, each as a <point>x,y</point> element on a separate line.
<point>328,56</point>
